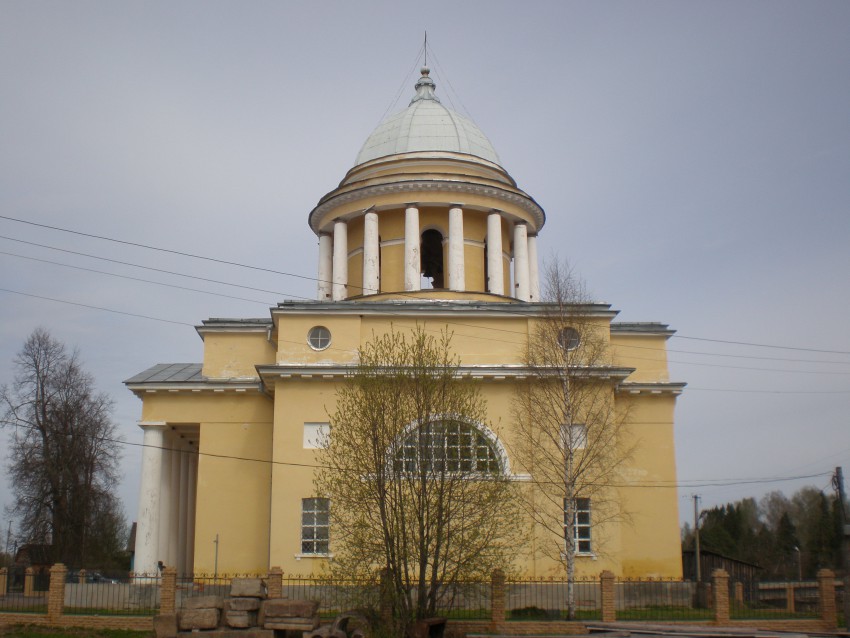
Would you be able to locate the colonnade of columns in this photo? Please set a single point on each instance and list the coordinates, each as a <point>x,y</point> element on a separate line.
<point>165,527</point>
<point>333,256</point>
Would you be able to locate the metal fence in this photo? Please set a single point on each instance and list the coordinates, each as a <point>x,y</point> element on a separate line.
<point>546,599</point>
<point>637,599</point>
<point>774,600</point>
<point>195,585</point>
<point>137,596</point>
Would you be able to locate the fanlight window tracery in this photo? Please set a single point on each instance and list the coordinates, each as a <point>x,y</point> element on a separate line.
<point>447,446</point>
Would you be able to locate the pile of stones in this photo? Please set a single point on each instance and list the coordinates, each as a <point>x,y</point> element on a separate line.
<point>247,608</point>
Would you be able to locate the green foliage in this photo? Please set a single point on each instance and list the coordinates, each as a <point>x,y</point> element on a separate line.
<point>786,537</point>
<point>416,490</point>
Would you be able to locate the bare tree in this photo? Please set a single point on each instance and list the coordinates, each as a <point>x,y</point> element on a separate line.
<point>571,433</point>
<point>64,457</point>
<point>416,481</point>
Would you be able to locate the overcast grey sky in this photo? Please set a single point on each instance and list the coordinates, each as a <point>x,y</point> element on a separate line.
<point>693,160</point>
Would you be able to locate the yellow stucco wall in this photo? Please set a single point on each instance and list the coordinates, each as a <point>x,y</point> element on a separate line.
<point>254,506</point>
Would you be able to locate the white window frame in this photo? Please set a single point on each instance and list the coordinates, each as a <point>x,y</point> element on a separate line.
<point>316,435</point>
<point>467,450</point>
<point>312,527</point>
<point>582,526</point>
<point>322,339</point>
<point>575,435</point>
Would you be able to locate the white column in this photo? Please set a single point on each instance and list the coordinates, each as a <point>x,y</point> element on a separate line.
<point>325,266</point>
<point>533,273</point>
<point>412,262</point>
<point>174,522</point>
<point>182,554</point>
<point>457,279</point>
<point>495,275</point>
<point>340,260</point>
<point>165,499</point>
<point>521,261</point>
<point>147,522</point>
<point>371,261</point>
<point>190,512</point>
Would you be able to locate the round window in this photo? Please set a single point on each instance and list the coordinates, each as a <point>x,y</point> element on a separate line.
<point>569,338</point>
<point>319,337</point>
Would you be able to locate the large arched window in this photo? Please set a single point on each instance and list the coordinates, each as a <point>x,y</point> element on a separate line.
<point>448,445</point>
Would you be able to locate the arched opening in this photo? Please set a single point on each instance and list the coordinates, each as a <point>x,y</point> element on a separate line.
<point>432,257</point>
<point>448,445</point>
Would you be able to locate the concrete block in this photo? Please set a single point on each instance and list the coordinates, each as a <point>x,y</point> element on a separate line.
<point>252,587</point>
<point>242,604</point>
<point>240,619</point>
<point>292,624</point>
<point>289,608</point>
<point>203,602</point>
<point>165,625</point>
<point>190,619</point>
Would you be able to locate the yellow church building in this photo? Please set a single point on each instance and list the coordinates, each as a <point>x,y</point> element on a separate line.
<point>426,229</point>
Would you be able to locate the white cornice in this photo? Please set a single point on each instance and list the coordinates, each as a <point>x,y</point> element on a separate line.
<point>519,199</point>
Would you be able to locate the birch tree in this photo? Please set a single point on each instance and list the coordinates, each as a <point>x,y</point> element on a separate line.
<point>571,434</point>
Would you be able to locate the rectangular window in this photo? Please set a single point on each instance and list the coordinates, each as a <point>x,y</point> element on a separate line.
<point>315,525</point>
<point>316,435</point>
<point>581,525</point>
<point>574,436</point>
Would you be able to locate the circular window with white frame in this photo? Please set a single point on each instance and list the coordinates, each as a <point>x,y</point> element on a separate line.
<point>569,338</point>
<point>319,337</point>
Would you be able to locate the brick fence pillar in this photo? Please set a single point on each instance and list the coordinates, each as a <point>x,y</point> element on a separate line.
<point>790,598</point>
<point>720,589</point>
<point>274,582</point>
<point>826,598</point>
<point>168,591</point>
<point>29,581</point>
<point>56,593</point>
<point>4,580</point>
<point>609,609</point>
<point>497,598</point>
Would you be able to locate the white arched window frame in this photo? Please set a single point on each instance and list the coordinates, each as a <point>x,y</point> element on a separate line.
<point>451,443</point>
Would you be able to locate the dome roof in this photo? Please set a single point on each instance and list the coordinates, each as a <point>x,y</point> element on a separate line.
<point>426,125</point>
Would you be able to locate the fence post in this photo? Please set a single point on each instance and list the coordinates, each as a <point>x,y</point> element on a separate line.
<point>4,580</point>
<point>497,597</point>
<point>274,583</point>
<point>56,592</point>
<point>739,593</point>
<point>168,592</point>
<point>29,581</point>
<point>790,601</point>
<point>609,610</point>
<point>720,587</point>
<point>826,598</point>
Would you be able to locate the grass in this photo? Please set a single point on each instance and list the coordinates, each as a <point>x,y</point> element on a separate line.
<point>34,631</point>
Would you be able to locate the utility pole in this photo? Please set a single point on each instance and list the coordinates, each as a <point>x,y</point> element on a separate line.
<point>838,483</point>
<point>698,570</point>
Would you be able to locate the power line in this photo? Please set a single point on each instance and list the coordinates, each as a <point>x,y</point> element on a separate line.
<point>349,351</point>
<point>83,305</point>
<point>506,310</point>
<point>719,482</point>
<point>147,281</point>
<point>151,268</point>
